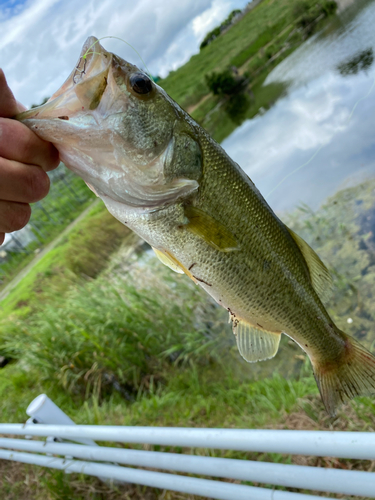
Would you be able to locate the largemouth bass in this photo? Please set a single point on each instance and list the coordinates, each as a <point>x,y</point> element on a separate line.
<point>162,175</point>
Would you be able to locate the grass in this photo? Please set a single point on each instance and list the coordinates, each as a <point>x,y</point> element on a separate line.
<point>140,344</point>
<point>68,197</point>
<point>263,39</point>
<point>101,335</point>
<point>83,253</point>
<point>192,398</point>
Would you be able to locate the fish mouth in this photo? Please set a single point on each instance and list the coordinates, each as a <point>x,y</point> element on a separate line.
<point>83,88</point>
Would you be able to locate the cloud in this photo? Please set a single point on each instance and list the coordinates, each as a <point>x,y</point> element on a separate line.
<point>210,18</point>
<point>41,39</point>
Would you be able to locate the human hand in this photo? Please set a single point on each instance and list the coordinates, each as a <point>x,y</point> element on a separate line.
<point>24,161</point>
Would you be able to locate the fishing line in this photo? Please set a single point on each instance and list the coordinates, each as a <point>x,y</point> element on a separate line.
<point>127,43</point>
<point>323,145</point>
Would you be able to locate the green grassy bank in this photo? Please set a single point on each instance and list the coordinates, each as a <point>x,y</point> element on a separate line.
<point>68,198</point>
<point>81,254</point>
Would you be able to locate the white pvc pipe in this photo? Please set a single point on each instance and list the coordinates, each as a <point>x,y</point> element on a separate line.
<point>43,410</point>
<point>313,478</point>
<point>203,487</point>
<point>360,445</point>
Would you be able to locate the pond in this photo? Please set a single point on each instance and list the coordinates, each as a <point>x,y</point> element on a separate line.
<point>319,137</point>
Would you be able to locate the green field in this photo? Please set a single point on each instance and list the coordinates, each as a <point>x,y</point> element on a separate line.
<point>186,85</point>
<point>82,254</point>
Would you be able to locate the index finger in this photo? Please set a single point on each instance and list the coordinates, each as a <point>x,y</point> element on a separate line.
<point>17,141</point>
<point>8,103</point>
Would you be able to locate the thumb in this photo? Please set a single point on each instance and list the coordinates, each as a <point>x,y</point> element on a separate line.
<point>8,104</point>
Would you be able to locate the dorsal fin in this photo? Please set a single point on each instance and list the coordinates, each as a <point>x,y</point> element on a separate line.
<point>320,278</point>
<point>255,344</point>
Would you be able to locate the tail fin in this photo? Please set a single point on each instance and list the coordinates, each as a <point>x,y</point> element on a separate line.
<point>347,378</point>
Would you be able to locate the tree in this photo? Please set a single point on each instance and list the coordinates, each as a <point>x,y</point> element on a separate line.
<point>225,83</point>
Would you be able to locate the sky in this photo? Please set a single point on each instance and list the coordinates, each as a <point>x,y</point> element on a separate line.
<point>41,39</point>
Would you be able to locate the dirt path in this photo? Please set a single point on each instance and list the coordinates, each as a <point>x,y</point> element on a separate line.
<point>192,108</point>
<point>25,271</point>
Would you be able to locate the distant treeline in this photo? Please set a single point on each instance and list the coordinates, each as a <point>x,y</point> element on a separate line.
<point>210,37</point>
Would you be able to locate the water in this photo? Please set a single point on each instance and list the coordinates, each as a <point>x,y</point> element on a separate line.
<point>316,147</point>
<point>320,137</point>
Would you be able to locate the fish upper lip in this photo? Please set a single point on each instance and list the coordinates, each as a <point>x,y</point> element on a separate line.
<point>89,54</point>
<point>77,72</point>
<point>89,64</point>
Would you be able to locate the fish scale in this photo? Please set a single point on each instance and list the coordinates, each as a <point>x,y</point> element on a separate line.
<point>163,176</point>
<point>250,233</point>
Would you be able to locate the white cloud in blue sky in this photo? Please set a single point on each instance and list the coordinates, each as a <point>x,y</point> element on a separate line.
<point>41,39</point>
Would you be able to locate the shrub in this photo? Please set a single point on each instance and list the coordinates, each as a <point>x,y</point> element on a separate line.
<point>329,7</point>
<point>360,62</point>
<point>224,83</point>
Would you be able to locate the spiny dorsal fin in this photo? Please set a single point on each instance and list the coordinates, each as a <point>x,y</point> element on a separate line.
<point>320,278</point>
<point>167,261</point>
<point>213,232</point>
<point>254,343</point>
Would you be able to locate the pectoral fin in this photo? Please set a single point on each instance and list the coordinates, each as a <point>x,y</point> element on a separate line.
<point>254,343</point>
<point>210,230</point>
<point>320,278</point>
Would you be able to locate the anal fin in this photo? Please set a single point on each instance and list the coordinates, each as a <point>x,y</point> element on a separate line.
<point>255,344</point>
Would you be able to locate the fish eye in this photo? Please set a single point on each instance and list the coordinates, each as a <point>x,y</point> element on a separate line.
<point>140,83</point>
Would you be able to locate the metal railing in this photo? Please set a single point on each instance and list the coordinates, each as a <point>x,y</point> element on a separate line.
<point>56,426</point>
